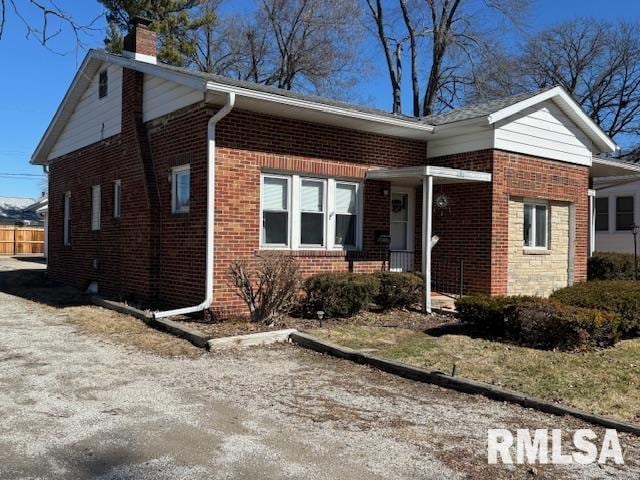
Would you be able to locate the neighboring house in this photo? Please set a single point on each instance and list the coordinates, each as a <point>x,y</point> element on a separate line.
<point>135,208</point>
<point>20,211</point>
<point>617,206</point>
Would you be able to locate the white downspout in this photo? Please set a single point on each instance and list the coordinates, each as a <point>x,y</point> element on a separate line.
<point>211,178</point>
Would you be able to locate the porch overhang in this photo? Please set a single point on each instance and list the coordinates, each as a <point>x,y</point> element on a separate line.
<point>415,175</point>
<point>427,176</point>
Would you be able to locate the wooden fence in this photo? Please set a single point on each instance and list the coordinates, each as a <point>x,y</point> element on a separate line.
<point>21,240</point>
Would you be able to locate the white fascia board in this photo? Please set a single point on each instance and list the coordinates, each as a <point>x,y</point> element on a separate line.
<point>319,107</point>
<point>601,139</point>
<point>420,171</point>
<point>460,127</point>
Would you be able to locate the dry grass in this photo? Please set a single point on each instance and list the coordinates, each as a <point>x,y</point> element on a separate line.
<point>127,330</point>
<point>606,381</point>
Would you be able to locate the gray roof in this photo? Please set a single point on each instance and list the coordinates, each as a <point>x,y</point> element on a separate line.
<point>16,210</point>
<point>480,109</point>
<point>285,93</point>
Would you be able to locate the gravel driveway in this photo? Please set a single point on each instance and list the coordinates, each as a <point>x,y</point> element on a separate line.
<point>76,406</point>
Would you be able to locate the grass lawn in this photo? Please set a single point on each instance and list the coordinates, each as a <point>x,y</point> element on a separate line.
<point>605,381</point>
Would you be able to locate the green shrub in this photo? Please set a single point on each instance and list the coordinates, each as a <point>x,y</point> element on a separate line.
<point>619,296</point>
<point>398,290</point>
<point>550,325</point>
<point>487,313</point>
<point>611,266</point>
<point>339,294</point>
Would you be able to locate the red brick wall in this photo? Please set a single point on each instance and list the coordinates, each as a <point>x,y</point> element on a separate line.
<point>122,246</point>
<point>475,226</point>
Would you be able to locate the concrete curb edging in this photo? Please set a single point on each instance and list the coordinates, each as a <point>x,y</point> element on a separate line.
<point>251,339</point>
<point>162,324</point>
<point>456,383</point>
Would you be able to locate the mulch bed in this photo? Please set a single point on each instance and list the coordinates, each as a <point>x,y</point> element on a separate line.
<point>409,319</point>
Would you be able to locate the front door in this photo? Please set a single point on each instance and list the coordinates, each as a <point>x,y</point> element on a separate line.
<point>401,258</point>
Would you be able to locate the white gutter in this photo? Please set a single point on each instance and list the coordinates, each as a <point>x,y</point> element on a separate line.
<point>211,178</point>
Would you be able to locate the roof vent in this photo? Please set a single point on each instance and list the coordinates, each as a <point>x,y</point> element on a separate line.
<point>140,42</point>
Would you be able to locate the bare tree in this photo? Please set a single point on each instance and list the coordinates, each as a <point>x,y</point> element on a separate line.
<point>598,63</point>
<point>444,37</point>
<point>308,45</point>
<point>52,20</point>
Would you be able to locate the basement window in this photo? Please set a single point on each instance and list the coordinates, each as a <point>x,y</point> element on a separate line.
<point>536,225</point>
<point>180,189</point>
<point>103,84</point>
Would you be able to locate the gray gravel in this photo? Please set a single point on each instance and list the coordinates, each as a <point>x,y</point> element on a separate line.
<point>75,406</point>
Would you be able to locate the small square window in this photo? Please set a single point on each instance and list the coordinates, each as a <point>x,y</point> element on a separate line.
<point>103,84</point>
<point>180,189</point>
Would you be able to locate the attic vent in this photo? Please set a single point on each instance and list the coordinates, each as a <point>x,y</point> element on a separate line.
<point>102,85</point>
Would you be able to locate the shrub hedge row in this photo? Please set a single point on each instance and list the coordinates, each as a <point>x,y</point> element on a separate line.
<point>343,294</point>
<point>611,266</point>
<point>540,323</point>
<point>618,296</point>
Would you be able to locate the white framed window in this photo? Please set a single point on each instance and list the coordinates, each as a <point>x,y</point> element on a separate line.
<point>180,188</point>
<point>312,212</point>
<point>117,198</point>
<point>536,225</point>
<point>275,204</point>
<point>624,213</point>
<point>103,84</point>
<point>602,214</point>
<point>301,212</point>
<point>67,219</point>
<point>95,207</point>
<point>346,215</point>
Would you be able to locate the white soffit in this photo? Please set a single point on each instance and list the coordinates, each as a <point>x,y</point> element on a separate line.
<point>414,175</point>
<point>607,168</point>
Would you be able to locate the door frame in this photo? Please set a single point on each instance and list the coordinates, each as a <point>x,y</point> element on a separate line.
<point>411,215</point>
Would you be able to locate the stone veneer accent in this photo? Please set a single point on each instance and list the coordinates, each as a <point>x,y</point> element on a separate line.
<point>538,272</point>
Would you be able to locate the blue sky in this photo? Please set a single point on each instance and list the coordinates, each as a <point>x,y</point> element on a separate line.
<point>33,80</point>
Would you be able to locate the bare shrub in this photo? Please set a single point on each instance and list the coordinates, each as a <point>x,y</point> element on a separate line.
<point>270,290</point>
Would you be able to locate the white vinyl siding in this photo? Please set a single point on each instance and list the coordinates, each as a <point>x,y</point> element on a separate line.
<point>299,212</point>
<point>96,207</point>
<point>67,219</point>
<point>610,239</point>
<point>94,118</point>
<point>160,97</point>
<point>180,189</point>
<point>117,198</point>
<point>544,131</point>
<point>471,141</point>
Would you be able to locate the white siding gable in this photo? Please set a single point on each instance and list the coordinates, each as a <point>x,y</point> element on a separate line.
<point>94,118</point>
<point>544,131</point>
<point>161,97</point>
<point>470,141</point>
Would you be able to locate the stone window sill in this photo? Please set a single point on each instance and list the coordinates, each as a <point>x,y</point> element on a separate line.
<point>536,251</point>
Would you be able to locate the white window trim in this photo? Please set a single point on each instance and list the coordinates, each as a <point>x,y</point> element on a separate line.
<point>67,219</point>
<point>297,234</point>
<point>96,207</point>
<point>277,246</point>
<point>614,220</point>
<point>294,213</point>
<point>117,198</point>
<point>174,185</point>
<point>542,203</point>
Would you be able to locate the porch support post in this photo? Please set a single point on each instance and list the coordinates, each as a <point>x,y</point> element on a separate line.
<point>427,203</point>
<point>592,221</point>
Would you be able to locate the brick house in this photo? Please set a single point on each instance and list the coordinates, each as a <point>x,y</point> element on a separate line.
<point>160,177</point>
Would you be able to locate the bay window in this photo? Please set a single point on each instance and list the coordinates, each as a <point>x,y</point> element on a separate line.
<point>299,212</point>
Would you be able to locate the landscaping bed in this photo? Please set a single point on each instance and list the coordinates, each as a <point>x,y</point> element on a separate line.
<point>407,319</point>
<point>605,381</point>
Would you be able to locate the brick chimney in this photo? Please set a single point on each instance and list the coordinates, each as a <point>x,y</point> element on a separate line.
<point>140,42</point>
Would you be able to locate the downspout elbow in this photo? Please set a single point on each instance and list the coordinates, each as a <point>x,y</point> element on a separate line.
<point>211,179</point>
